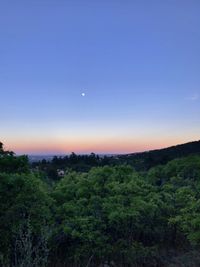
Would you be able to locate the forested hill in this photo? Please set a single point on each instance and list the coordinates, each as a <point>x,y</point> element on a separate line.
<point>99,216</point>
<point>146,160</point>
<point>139,161</point>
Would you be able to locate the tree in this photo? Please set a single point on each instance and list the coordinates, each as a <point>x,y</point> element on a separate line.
<point>9,163</point>
<point>22,196</point>
<point>106,214</point>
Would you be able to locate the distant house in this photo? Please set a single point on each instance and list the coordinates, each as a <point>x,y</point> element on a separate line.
<point>60,173</point>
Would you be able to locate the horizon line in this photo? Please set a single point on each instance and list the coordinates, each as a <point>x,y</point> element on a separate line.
<point>101,153</point>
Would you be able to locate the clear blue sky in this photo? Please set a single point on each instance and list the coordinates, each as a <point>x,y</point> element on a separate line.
<point>138,63</point>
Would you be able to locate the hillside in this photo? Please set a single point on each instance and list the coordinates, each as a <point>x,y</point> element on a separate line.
<point>146,160</point>
<point>140,161</point>
<point>106,216</point>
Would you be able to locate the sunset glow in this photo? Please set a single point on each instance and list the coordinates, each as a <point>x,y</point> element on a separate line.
<point>128,82</point>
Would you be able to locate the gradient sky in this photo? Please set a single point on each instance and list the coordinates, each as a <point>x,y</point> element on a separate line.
<point>137,61</point>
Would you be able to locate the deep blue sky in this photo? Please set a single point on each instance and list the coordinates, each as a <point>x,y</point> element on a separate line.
<point>137,61</point>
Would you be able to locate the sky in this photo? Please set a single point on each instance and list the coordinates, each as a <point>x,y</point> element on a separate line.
<point>137,63</point>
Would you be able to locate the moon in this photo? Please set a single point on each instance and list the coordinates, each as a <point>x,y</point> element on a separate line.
<point>82,94</point>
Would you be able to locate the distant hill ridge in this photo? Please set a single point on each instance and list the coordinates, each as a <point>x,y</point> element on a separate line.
<point>190,147</point>
<point>140,161</point>
<point>148,159</point>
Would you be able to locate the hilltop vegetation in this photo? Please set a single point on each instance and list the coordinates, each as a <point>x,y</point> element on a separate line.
<point>147,160</point>
<point>139,161</point>
<point>104,215</point>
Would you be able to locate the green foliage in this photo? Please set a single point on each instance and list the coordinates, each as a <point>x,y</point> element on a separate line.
<point>139,161</point>
<point>147,160</point>
<point>99,215</point>
<point>22,196</point>
<point>179,183</point>
<point>10,163</point>
<point>106,212</point>
<point>30,250</point>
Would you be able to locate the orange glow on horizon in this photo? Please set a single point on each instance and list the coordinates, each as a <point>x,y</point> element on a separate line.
<point>102,146</point>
